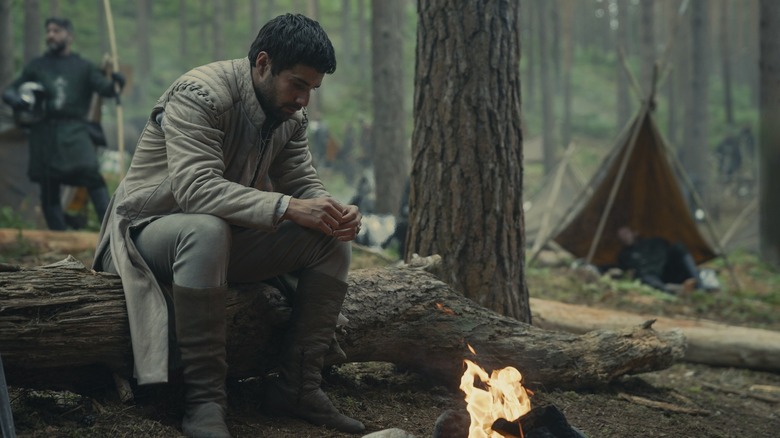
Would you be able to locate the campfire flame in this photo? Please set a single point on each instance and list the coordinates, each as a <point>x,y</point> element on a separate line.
<point>504,397</point>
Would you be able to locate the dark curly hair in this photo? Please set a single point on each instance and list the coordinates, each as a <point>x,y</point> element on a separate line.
<point>61,22</point>
<point>292,39</point>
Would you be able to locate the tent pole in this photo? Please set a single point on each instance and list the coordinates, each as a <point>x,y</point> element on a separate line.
<point>557,183</point>
<point>618,180</point>
<point>664,60</point>
<point>634,83</point>
<point>751,207</point>
<point>647,105</point>
<point>595,178</point>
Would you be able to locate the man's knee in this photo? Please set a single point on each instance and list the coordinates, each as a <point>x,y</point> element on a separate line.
<point>343,251</point>
<point>335,260</point>
<point>202,251</point>
<point>206,232</point>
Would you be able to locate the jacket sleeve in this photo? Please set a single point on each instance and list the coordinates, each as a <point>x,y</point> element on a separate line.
<point>193,140</point>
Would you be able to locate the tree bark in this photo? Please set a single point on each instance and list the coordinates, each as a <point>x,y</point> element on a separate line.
<point>647,44</point>
<point>621,40</point>
<point>33,29</point>
<point>184,25</point>
<point>769,138</point>
<point>63,326</point>
<point>218,23</point>
<point>143,40</point>
<point>346,32</point>
<point>725,36</point>
<point>567,18</point>
<point>530,48</point>
<point>6,44</point>
<point>545,82</point>
<point>696,148</point>
<point>465,201</point>
<point>391,154</point>
<point>361,58</point>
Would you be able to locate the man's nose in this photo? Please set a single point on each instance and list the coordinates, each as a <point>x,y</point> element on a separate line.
<point>303,98</point>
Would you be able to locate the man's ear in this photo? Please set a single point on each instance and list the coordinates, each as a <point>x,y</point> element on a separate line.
<point>262,62</point>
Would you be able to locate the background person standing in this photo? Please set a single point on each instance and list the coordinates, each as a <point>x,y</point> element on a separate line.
<point>61,151</point>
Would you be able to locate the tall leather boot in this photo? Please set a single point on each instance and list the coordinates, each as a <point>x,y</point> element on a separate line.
<point>200,331</point>
<point>297,392</point>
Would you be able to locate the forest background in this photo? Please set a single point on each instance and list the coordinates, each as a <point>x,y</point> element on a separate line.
<point>574,85</point>
<point>574,90</point>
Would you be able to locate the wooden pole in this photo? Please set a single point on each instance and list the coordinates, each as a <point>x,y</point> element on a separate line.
<point>120,129</point>
<point>544,227</point>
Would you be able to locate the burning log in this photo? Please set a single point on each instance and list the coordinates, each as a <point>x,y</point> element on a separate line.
<point>542,422</point>
<point>63,326</point>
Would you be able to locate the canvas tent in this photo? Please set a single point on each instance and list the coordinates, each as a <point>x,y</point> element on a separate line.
<point>550,203</point>
<point>637,186</point>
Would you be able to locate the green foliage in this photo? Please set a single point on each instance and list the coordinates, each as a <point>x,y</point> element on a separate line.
<point>20,248</point>
<point>11,219</point>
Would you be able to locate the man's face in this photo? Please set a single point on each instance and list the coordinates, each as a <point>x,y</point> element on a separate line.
<point>626,235</point>
<point>57,38</point>
<point>286,93</point>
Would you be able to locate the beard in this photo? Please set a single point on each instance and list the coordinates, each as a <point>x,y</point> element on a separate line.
<point>56,47</point>
<point>266,95</point>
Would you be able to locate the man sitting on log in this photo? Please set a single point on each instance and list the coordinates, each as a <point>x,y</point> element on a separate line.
<point>192,214</point>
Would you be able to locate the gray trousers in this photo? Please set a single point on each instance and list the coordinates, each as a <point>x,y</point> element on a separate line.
<point>203,251</point>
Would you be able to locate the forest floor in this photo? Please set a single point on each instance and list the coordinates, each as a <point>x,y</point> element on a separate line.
<point>685,400</point>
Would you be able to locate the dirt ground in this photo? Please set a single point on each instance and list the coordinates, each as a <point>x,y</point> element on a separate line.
<point>685,400</point>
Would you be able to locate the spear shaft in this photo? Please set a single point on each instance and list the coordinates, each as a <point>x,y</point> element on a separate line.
<point>119,112</point>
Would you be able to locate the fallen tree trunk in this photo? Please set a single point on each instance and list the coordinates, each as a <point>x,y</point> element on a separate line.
<point>709,342</point>
<point>61,325</point>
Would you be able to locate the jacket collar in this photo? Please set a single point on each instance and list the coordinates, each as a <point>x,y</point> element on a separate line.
<point>247,92</point>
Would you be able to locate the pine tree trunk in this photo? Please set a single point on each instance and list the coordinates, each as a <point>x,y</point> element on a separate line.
<point>567,18</point>
<point>725,60</point>
<point>6,44</point>
<point>623,95</point>
<point>391,154</point>
<point>545,82</point>
<point>696,148</point>
<point>33,29</point>
<point>467,176</point>
<point>143,29</point>
<point>184,27</point>
<point>647,44</point>
<point>769,139</point>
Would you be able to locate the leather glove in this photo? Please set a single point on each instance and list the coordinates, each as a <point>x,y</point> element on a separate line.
<point>118,79</point>
<point>15,101</point>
